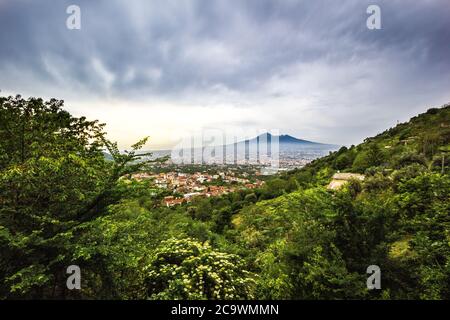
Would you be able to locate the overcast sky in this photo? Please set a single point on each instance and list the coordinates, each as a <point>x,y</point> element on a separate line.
<point>311,69</point>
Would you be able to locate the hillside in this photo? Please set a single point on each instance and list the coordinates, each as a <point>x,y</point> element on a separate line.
<point>425,139</point>
<point>315,243</point>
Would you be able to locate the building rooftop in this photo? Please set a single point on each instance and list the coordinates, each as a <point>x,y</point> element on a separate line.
<point>339,179</point>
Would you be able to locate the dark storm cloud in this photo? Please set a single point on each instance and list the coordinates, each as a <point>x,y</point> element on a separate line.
<point>240,51</point>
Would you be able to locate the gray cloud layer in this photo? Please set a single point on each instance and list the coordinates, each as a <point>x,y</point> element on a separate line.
<point>310,68</point>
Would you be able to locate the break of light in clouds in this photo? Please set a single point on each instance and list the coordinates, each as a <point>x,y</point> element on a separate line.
<point>311,69</point>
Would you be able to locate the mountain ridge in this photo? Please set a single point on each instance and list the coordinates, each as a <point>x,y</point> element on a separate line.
<point>287,139</point>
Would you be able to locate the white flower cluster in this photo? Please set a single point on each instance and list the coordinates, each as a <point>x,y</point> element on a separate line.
<point>188,269</point>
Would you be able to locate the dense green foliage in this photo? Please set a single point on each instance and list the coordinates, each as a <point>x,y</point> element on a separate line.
<point>62,203</point>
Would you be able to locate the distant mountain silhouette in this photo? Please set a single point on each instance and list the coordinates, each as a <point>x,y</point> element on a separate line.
<point>288,140</point>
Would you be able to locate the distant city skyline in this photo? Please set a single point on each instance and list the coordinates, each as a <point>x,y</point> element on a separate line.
<point>311,69</point>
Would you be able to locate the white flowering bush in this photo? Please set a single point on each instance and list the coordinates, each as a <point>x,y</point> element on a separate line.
<point>188,269</point>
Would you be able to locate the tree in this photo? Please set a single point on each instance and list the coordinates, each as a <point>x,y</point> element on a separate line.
<point>370,157</point>
<point>203,209</point>
<point>274,188</point>
<point>409,158</point>
<point>251,198</point>
<point>324,276</point>
<point>53,178</point>
<point>221,219</point>
<point>343,161</point>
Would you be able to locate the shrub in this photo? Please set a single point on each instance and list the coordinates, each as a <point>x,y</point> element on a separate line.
<point>188,269</point>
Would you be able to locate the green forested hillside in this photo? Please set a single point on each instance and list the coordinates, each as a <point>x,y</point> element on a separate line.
<point>316,243</point>
<point>423,140</point>
<point>62,204</point>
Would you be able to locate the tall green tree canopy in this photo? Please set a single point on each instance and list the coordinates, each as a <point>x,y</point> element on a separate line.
<point>53,177</point>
